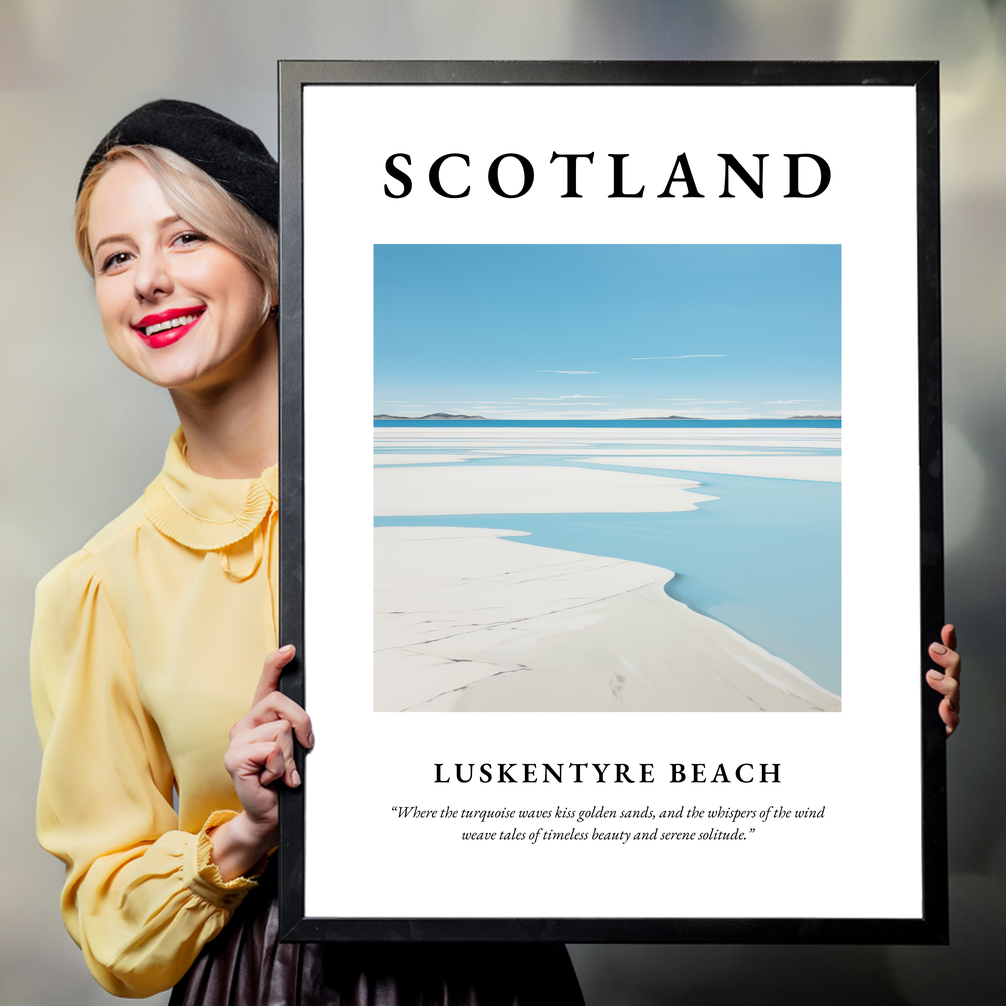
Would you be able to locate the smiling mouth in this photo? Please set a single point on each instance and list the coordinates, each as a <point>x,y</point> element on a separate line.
<point>167,327</point>
<point>169,323</point>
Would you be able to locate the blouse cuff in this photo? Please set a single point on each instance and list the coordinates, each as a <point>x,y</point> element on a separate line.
<point>202,876</point>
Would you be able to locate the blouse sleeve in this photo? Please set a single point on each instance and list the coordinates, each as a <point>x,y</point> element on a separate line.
<point>141,898</point>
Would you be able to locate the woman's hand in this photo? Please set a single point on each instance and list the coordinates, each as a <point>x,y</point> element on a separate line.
<point>947,682</point>
<point>260,754</point>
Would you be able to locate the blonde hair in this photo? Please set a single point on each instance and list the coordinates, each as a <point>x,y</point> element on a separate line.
<point>199,200</point>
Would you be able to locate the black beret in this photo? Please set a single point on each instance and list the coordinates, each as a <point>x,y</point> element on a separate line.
<point>231,154</point>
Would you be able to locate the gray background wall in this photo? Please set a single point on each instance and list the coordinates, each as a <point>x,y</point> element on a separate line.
<point>82,436</point>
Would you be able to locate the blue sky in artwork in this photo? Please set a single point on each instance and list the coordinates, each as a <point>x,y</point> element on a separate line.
<point>607,331</point>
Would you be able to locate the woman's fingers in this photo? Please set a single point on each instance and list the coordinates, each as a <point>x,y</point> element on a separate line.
<point>944,684</point>
<point>270,703</point>
<point>949,688</point>
<point>948,660</point>
<point>274,766</point>
<point>260,761</point>
<point>945,655</point>
<point>277,706</point>
<point>946,681</point>
<point>261,749</point>
<point>949,636</point>
<point>949,711</point>
<point>271,671</point>
<point>278,735</point>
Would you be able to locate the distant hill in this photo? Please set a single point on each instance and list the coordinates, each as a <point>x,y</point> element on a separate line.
<point>813,417</point>
<point>432,415</point>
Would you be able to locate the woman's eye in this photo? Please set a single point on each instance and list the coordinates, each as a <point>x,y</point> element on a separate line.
<point>190,238</point>
<point>114,261</point>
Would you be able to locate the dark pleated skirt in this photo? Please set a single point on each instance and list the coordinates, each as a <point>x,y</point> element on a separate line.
<point>246,965</point>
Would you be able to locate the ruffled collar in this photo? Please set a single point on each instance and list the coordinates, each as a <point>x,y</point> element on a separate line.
<point>203,513</point>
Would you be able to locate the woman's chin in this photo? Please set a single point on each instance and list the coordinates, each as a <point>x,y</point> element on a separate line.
<point>172,374</point>
<point>203,365</point>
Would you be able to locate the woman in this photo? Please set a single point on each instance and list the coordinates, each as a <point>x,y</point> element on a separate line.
<point>149,642</point>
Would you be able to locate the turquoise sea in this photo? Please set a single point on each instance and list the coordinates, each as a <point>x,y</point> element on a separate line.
<point>764,557</point>
<point>622,424</point>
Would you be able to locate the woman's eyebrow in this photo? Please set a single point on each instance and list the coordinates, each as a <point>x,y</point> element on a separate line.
<point>160,225</point>
<point>109,240</point>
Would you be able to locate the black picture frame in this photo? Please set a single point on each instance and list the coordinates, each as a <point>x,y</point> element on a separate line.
<point>931,925</point>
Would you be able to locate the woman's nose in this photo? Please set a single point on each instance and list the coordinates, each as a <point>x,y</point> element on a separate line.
<point>152,277</point>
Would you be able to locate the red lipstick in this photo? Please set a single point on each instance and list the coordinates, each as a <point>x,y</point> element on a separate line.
<point>166,327</point>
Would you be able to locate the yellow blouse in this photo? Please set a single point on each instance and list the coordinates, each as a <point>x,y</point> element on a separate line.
<point>147,647</point>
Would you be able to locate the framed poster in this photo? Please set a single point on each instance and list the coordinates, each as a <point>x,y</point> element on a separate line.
<point>611,501</point>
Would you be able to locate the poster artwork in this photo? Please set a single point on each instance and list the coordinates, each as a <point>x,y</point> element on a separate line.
<point>589,494</point>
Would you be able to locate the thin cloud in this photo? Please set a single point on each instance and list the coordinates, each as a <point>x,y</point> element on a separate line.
<point>827,413</point>
<point>563,398</point>
<point>569,371</point>
<point>687,356</point>
<point>702,401</point>
<point>796,401</point>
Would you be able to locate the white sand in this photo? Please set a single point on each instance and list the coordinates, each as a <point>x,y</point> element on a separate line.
<point>531,439</point>
<point>420,459</point>
<point>584,450</point>
<point>526,489</point>
<point>809,468</point>
<point>466,621</point>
